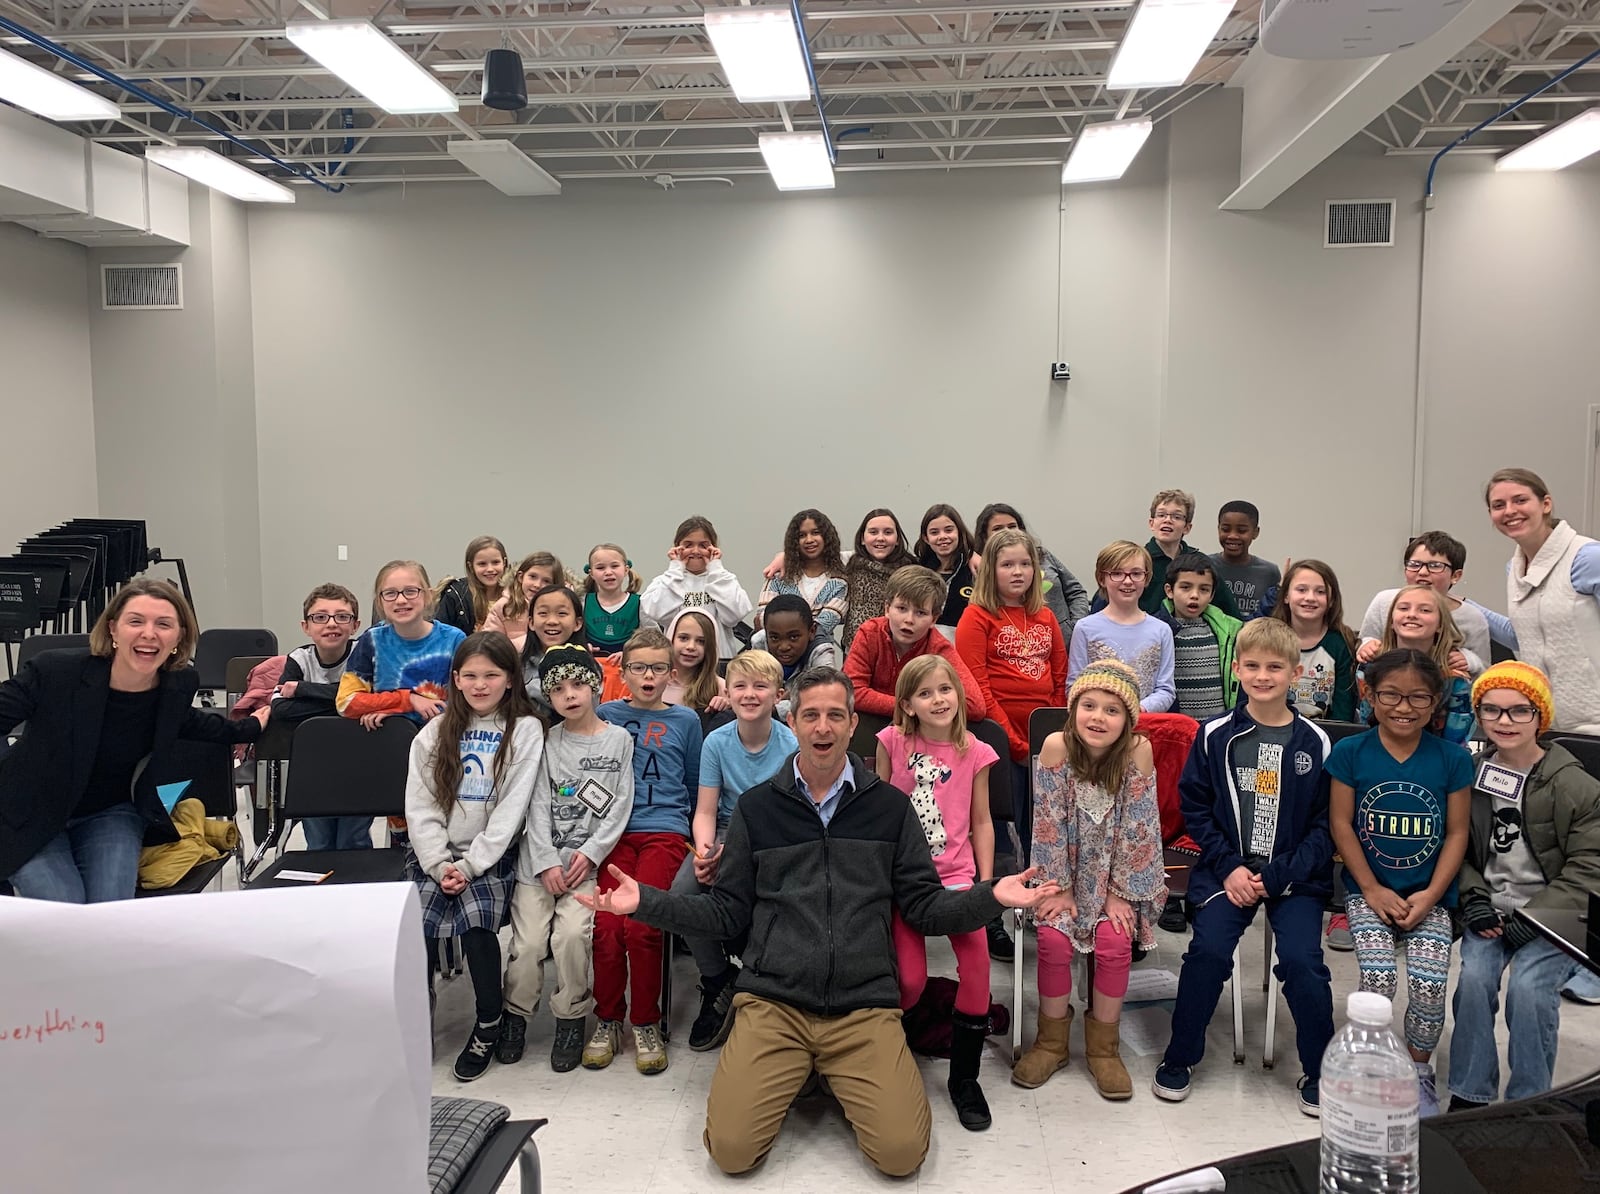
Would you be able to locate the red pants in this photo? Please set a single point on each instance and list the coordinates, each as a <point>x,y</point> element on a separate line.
<point>972,966</point>
<point>626,949</point>
<point>1113,959</point>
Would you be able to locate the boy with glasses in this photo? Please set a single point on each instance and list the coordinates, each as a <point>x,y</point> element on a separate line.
<point>1435,559</point>
<point>666,781</point>
<point>1171,518</point>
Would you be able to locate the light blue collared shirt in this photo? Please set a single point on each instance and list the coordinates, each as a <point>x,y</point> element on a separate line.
<point>830,801</point>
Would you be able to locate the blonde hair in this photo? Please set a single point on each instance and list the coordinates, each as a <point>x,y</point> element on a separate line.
<point>912,677</point>
<point>1180,496</point>
<point>383,575</point>
<point>757,665</point>
<point>1110,769</point>
<point>700,686</point>
<point>516,600</point>
<point>160,590</point>
<point>1118,554</point>
<point>634,583</point>
<point>1268,636</point>
<point>1447,640</point>
<point>985,594</point>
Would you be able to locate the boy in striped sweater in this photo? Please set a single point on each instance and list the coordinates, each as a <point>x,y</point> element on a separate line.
<point>1202,639</point>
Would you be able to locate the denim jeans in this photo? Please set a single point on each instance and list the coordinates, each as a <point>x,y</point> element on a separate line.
<point>93,860</point>
<point>1533,1017</point>
<point>338,833</point>
<point>1307,986</point>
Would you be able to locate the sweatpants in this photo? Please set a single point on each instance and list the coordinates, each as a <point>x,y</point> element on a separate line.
<point>769,1054</point>
<point>544,926</point>
<point>972,966</point>
<point>627,952</point>
<point>1113,959</point>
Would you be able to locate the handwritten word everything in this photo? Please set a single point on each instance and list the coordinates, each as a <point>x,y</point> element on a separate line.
<point>55,1024</point>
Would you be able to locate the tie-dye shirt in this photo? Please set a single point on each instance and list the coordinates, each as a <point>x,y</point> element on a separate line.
<point>385,669</point>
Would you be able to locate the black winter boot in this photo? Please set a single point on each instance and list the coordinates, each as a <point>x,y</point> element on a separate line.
<point>966,1050</point>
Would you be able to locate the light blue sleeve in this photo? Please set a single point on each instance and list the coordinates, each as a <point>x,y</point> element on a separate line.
<point>1586,570</point>
<point>1165,692</point>
<point>1500,628</point>
<point>1077,653</point>
<point>711,763</point>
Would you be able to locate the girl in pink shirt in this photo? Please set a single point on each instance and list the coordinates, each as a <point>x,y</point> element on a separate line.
<point>928,754</point>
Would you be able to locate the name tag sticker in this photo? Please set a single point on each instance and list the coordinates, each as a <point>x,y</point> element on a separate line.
<point>1502,782</point>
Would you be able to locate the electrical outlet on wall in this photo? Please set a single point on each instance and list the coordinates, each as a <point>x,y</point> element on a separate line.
<point>344,551</point>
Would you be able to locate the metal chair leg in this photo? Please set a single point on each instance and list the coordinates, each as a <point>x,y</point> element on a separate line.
<point>666,985</point>
<point>1016,986</point>
<point>1269,1050</point>
<point>1237,984</point>
<point>530,1180</point>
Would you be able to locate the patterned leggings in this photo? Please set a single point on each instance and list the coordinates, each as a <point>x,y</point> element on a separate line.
<point>1427,966</point>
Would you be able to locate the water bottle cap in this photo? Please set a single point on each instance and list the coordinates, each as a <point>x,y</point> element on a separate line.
<point>1365,1007</point>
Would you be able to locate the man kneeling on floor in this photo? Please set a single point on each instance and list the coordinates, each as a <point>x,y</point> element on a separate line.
<point>815,858</point>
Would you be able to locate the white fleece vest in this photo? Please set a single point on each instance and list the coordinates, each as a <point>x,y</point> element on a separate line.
<point>1558,628</point>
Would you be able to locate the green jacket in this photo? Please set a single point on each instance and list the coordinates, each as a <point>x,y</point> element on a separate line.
<point>1561,824</point>
<point>1226,628</point>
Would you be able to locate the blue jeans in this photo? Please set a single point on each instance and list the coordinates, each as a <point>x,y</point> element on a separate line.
<point>1533,1017</point>
<point>93,860</point>
<point>1297,927</point>
<point>338,833</point>
<point>1022,810</point>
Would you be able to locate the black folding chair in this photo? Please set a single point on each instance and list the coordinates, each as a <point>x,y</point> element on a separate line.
<point>216,647</point>
<point>208,766</point>
<point>236,676</point>
<point>38,644</point>
<point>339,769</point>
<point>1584,748</point>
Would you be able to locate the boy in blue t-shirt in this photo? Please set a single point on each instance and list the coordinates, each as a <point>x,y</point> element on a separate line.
<point>737,757</point>
<point>666,770</point>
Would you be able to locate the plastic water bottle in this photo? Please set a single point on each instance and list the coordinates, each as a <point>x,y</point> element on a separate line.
<point>1369,1105</point>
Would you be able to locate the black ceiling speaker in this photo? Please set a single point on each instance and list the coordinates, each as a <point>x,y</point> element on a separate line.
<point>504,85</point>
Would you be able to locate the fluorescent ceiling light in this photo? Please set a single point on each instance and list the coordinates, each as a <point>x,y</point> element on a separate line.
<point>798,161</point>
<point>1164,41</point>
<point>360,54</point>
<point>505,167</point>
<point>759,49</point>
<point>1559,148</point>
<point>38,90</point>
<point>219,173</point>
<point>1105,151</point>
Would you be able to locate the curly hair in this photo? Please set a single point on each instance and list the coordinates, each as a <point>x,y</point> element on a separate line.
<point>832,553</point>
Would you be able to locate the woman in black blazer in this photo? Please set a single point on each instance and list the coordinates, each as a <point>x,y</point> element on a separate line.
<point>77,793</point>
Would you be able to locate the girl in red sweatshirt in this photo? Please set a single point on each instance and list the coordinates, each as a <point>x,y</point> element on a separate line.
<point>1014,649</point>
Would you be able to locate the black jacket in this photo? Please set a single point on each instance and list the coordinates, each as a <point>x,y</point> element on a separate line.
<point>817,900</point>
<point>62,697</point>
<point>454,607</point>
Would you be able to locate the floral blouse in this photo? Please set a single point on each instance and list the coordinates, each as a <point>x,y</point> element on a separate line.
<point>1095,844</point>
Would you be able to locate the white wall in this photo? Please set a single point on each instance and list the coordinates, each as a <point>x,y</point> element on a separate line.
<point>46,399</point>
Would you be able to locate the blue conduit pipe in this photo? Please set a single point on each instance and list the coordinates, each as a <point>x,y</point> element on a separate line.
<point>859,130</point>
<point>811,73</point>
<point>1503,112</point>
<point>100,72</point>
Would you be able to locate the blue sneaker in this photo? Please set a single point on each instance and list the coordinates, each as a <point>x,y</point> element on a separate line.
<point>1310,1098</point>
<point>1171,1083</point>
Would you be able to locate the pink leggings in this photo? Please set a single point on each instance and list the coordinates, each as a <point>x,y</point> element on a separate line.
<point>1113,958</point>
<point>972,967</point>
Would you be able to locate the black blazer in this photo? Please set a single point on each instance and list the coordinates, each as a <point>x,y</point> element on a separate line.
<point>62,697</point>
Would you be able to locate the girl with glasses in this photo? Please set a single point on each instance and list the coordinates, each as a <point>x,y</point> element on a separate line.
<point>401,665</point>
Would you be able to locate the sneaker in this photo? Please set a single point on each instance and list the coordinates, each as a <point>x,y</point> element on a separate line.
<point>1582,987</point>
<point>1427,1091</point>
<point>1339,937</point>
<point>1172,1082</point>
<point>1311,1097</point>
<point>604,1045</point>
<point>513,1037</point>
<point>712,1025</point>
<point>650,1049</point>
<point>566,1051</point>
<point>478,1052</point>
<point>1001,947</point>
<point>1172,918</point>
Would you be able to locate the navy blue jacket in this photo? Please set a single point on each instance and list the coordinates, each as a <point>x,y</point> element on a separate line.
<point>1302,851</point>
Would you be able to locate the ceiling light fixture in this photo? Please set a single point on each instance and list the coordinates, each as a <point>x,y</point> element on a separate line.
<point>364,57</point>
<point>1164,41</point>
<point>38,90</point>
<point>759,49</point>
<point>1569,142</point>
<point>797,161</point>
<point>219,173</point>
<point>505,167</point>
<point>1104,152</point>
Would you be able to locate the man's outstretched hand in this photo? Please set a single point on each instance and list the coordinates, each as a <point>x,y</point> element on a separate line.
<point>623,899</point>
<point>1013,891</point>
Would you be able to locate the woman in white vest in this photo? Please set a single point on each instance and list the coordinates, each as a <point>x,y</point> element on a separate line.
<point>1552,594</point>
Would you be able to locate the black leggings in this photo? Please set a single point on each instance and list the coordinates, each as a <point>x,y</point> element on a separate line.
<point>483,962</point>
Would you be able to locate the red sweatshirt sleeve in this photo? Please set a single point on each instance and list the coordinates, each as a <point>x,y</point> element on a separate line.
<point>973,633</point>
<point>1058,661</point>
<point>859,665</point>
<point>977,707</point>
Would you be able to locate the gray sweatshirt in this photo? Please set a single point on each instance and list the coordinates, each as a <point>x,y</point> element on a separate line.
<point>483,821</point>
<point>582,799</point>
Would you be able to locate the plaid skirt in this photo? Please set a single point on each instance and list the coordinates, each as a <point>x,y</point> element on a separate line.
<point>485,904</point>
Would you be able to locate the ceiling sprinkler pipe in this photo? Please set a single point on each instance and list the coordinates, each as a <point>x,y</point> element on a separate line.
<point>100,72</point>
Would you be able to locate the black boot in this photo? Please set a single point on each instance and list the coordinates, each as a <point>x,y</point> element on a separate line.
<point>966,1050</point>
<point>1001,947</point>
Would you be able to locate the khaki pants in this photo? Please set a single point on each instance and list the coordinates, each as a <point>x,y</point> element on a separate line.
<point>542,926</point>
<point>863,1055</point>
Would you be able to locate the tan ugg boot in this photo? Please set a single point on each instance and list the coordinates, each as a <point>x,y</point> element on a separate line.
<point>1102,1047</point>
<point>1048,1054</point>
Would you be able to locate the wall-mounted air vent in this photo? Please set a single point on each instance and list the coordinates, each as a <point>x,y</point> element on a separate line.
<point>1355,223</point>
<point>141,287</point>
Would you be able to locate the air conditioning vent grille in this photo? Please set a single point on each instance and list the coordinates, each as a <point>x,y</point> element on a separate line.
<point>1359,222</point>
<point>141,287</point>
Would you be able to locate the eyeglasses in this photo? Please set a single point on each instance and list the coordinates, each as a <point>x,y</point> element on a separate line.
<point>1171,516</point>
<point>648,669</point>
<point>410,593</point>
<point>336,619</point>
<point>1519,715</point>
<point>1120,576</point>
<point>1431,566</point>
<point>1415,700</point>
